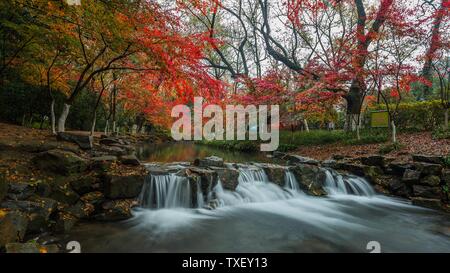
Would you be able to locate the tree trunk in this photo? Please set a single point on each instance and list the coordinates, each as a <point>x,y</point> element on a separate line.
<point>306,125</point>
<point>63,117</point>
<point>354,102</point>
<point>446,119</point>
<point>394,132</point>
<point>52,116</point>
<point>107,127</point>
<point>94,119</point>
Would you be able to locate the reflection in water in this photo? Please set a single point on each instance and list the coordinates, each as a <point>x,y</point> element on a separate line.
<point>188,151</point>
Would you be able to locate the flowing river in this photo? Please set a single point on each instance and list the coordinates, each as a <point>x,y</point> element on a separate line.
<point>260,216</point>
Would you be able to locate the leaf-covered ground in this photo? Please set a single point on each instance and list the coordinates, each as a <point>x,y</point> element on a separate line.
<point>413,143</point>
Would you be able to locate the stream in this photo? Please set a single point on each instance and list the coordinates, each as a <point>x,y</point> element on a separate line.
<point>260,216</point>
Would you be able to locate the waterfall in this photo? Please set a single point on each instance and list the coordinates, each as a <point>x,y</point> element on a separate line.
<point>248,175</point>
<point>336,184</point>
<point>166,191</point>
<point>290,181</point>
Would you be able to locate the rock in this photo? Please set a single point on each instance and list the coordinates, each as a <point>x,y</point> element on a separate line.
<point>110,150</point>
<point>399,188</point>
<point>103,163</point>
<point>351,167</point>
<point>37,209</point>
<point>275,173</point>
<point>13,226</point>
<point>63,193</point>
<point>399,168</point>
<point>428,168</point>
<point>279,155</point>
<point>131,160</point>
<point>30,247</point>
<point>110,141</point>
<point>310,178</point>
<point>373,160</point>
<point>427,192</point>
<point>3,187</point>
<point>120,187</point>
<point>427,202</point>
<point>338,157</point>
<point>94,198</point>
<point>372,172</point>
<point>329,163</point>
<point>228,177</point>
<point>428,159</point>
<point>116,210</point>
<point>411,176</point>
<point>43,189</point>
<point>445,177</point>
<point>35,146</point>
<point>65,222</point>
<point>212,161</point>
<point>20,190</point>
<point>431,180</point>
<point>296,159</point>
<point>61,162</point>
<point>80,210</point>
<point>85,184</point>
<point>83,141</point>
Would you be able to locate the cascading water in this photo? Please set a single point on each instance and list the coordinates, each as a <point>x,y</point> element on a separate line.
<point>247,175</point>
<point>166,191</point>
<point>291,182</point>
<point>336,184</point>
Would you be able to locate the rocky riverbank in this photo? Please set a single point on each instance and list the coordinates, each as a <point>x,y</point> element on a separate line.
<point>49,184</point>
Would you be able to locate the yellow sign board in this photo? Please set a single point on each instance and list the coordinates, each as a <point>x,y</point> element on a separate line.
<point>379,119</point>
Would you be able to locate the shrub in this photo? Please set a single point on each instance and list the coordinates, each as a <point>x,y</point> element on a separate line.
<point>385,149</point>
<point>440,133</point>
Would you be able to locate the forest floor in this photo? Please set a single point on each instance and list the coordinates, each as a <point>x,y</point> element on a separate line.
<point>412,143</point>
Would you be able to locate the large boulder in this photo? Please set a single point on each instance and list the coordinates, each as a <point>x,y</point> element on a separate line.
<point>429,168</point>
<point>431,180</point>
<point>64,222</point>
<point>212,161</point>
<point>116,210</point>
<point>81,210</point>
<point>83,141</point>
<point>228,177</point>
<point>434,159</point>
<point>3,187</point>
<point>38,211</point>
<point>63,193</point>
<point>427,203</point>
<point>60,162</point>
<point>373,160</point>
<point>109,141</point>
<point>85,184</point>
<point>311,178</point>
<point>399,188</point>
<point>398,168</point>
<point>13,226</point>
<point>131,160</point>
<point>121,187</point>
<point>411,176</point>
<point>275,173</point>
<point>20,190</point>
<point>427,192</point>
<point>296,159</point>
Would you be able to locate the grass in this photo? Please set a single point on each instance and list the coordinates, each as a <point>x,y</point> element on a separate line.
<point>292,140</point>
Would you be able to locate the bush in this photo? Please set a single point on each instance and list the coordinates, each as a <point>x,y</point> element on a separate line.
<point>415,116</point>
<point>385,149</point>
<point>440,133</point>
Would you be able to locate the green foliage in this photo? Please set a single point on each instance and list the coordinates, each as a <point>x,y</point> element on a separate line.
<point>313,137</point>
<point>391,147</point>
<point>447,160</point>
<point>415,116</point>
<point>237,145</point>
<point>440,133</point>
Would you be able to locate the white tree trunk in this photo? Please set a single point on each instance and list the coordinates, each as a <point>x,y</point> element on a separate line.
<point>394,132</point>
<point>306,125</point>
<point>93,124</point>
<point>107,127</point>
<point>114,127</point>
<point>52,117</point>
<point>446,120</point>
<point>358,135</point>
<point>63,118</point>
